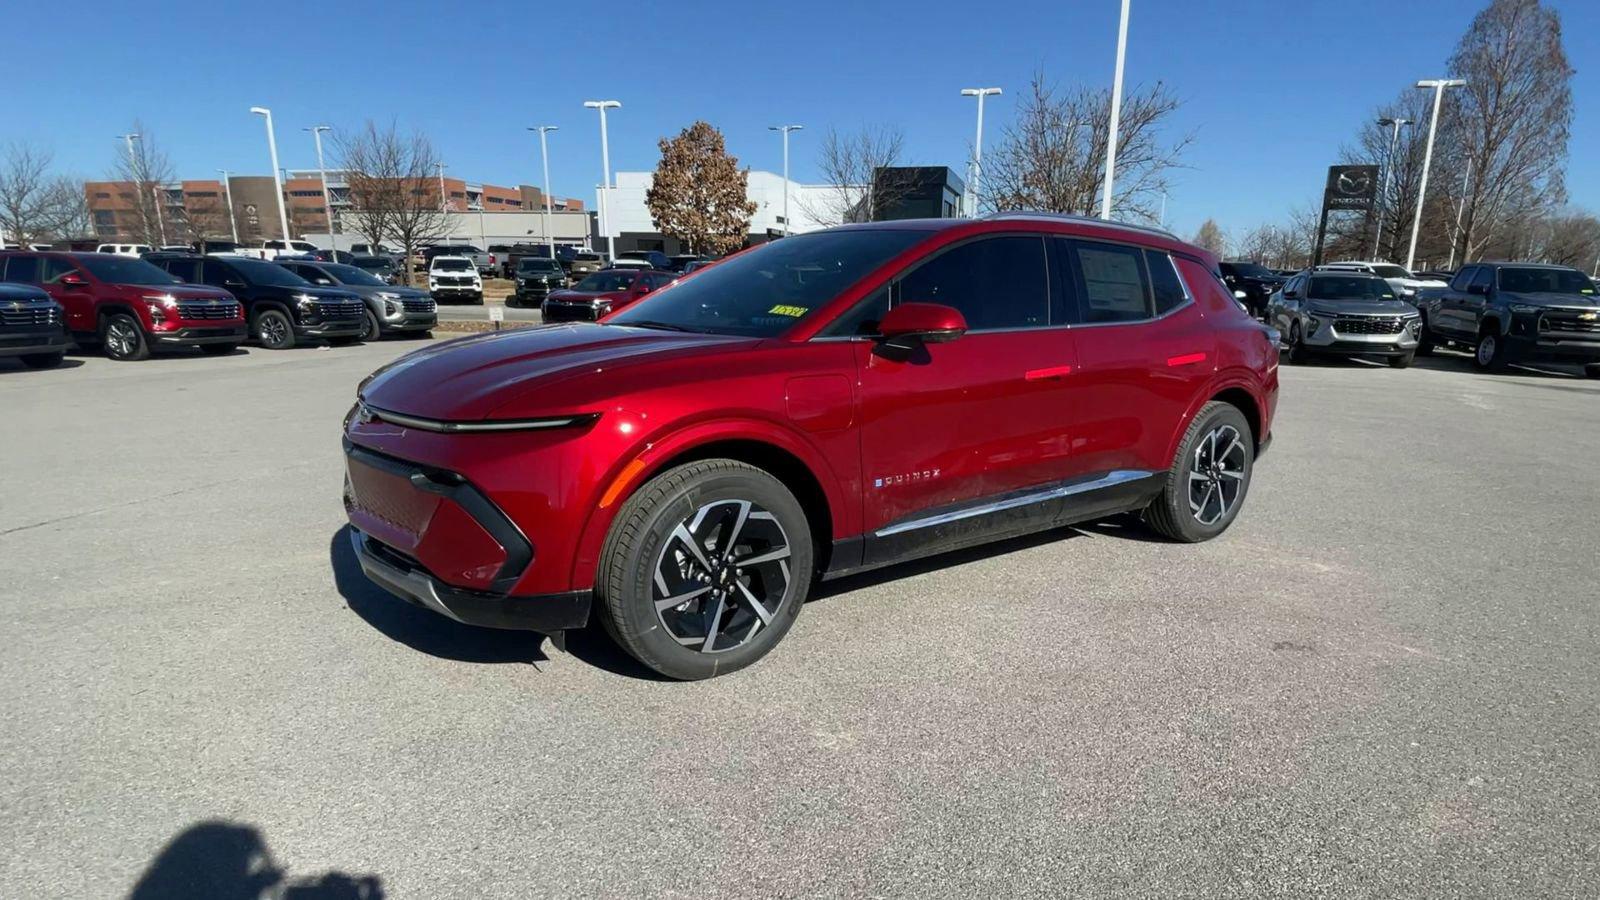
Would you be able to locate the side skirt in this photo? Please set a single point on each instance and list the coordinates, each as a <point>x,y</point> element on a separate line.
<point>995,518</point>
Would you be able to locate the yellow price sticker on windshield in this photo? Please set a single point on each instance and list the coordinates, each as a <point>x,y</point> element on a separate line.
<point>781,310</point>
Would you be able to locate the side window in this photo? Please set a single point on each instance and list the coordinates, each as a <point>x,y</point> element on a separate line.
<point>1484,276</point>
<point>22,269</point>
<point>215,273</point>
<point>1164,284</point>
<point>184,269</point>
<point>54,268</point>
<point>1113,285</point>
<point>1295,285</point>
<point>998,282</point>
<point>863,318</point>
<point>1463,278</point>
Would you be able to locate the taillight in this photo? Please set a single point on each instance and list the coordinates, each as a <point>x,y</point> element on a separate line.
<point>491,259</point>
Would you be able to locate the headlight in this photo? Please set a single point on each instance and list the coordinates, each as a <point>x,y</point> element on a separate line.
<point>1408,292</point>
<point>162,299</point>
<point>1239,294</point>
<point>305,301</point>
<point>158,313</point>
<point>387,295</point>
<point>1524,309</point>
<point>601,307</point>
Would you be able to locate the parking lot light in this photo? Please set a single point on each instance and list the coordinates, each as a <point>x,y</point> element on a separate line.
<point>544,157</point>
<point>1438,85</point>
<point>1388,171</point>
<point>786,129</point>
<point>277,174</point>
<point>605,172</point>
<point>1116,112</point>
<point>977,148</point>
<point>227,197</point>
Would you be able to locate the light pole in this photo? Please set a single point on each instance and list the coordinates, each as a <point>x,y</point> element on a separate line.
<point>605,173</point>
<point>1388,171</point>
<point>785,129</point>
<point>227,197</point>
<point>277,176</point>
<point>1116,113</point>
<point>1461,207</point>
<point>134,171</point>
<point>544,157</point>
<point>327,198</point>
<point>444,204</point>
<point>1438,85</point>
<point>977,147</point>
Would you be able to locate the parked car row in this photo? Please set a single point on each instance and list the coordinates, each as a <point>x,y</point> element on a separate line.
<point>131,307</point>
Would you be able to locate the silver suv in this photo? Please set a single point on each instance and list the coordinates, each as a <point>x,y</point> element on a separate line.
<point>1406,285</point>
<point>1330,313</point>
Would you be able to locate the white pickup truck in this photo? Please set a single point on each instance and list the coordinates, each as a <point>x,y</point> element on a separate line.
<point>275,249</point>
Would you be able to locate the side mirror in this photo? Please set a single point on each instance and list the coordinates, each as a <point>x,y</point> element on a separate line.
<point>644,288</point>
<point>930,323</point>
<point>73,279</point>
<point>1480,289</point>
<point>324,281</point>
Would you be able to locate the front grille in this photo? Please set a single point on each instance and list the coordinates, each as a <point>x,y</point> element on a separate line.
<point>453,281</point>
<point>1570,322</point>
<point>208,309</point>
<point>1353,325</point>
<point>30,315</point>
<point>418,306</point>
<point>339,309</point>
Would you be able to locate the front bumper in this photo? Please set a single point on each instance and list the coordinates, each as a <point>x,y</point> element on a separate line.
<point>543,613</point>
<point>1329,339</point>
<point>27,343</point>
<point>1567,348</point>
<point>441,294</point>
<point>558,311</point>
<point>194,336</point>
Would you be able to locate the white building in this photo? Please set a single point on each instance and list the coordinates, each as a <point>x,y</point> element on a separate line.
<point>631,225</point>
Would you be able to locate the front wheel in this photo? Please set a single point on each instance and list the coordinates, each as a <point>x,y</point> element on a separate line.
<point>123,338</point>
<point>1209,478</point>
<point>42,360</point>
<point>274,330</point>
<point>1491,354</point>
<point>1298,354</point>
<point>1403,361</point>
<point>1424,339</point>
<point>373,330</point>
<point>1591,370</point>
<point>705,569</point>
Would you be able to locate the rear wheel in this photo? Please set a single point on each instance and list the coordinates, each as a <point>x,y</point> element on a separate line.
<point>1208,480</point>
<point>218,349</point>
<point>345,341</point>
<point>42,360</point>
<point>274,330</point>
<point>705,569</point>
<point>1491,354</point>
<point>373,331</point>
<point>122,338</point>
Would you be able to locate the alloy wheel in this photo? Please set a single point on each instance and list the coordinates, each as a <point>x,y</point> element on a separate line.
<point>121,338</point>
<point>274,330</point>
<point>1486,350</point>
<point>722,576</point>
<point>1216,477</point>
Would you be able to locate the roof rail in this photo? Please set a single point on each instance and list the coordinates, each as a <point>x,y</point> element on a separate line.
<point>1087,220</point>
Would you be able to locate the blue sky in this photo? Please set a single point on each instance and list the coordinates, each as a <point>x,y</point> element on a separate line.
<point>1256,78</point>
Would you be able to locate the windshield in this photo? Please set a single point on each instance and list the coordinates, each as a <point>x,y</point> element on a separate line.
<point>609,280</point>
<point>451,265</point>
<point>375,263</point>
<point>1349,287</point>
<point>125,270</point>
<point>1390,271</point>
<point>538,265</point>
<point>352,275</point>
<point>1545,281</point>
<point>1251,270</point>
<point>765,291</point>
<point>267,273</point>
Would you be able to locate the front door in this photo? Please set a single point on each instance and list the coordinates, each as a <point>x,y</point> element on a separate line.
<point>957,436</point>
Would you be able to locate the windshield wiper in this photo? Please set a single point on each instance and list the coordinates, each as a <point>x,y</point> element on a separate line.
<point>663,326</point>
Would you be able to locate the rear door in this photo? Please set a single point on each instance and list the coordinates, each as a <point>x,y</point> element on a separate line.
<point>1144,351</point>
<point>951,432</point>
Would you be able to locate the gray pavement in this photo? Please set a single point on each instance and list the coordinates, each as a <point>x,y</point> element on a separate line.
<point>1382,682</point>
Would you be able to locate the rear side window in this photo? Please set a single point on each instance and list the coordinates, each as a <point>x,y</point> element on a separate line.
<point>184,269</point>
<point>54,268</point>
<point>216,274</point>
<point>1164,284</point>
<point>22,269</point>
<point>999,282</point>
<point>1112,283</point>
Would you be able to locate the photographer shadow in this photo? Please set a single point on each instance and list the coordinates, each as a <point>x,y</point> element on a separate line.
<point>229,861</point>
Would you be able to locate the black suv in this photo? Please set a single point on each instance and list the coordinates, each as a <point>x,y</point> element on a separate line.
<point>1509,311</point>
<point>279,305</point>
<point>1251,284</point>
<point>32,327</point>
<point>536,277</point>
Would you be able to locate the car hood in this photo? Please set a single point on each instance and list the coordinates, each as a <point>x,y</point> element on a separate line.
<point>179,291</point>
<point>370,290</point>
<point>328,293</point>
<point>1362,307</point>
<point>469,378</point>
<point>1567,301</point>
<point>582,296</point>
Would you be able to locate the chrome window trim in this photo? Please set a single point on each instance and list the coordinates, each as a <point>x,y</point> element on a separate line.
<point>1110,479</point>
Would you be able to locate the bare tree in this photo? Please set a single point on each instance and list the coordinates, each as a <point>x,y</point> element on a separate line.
<point>1211,237</point>
<point>1052,157</point>
<point>34,205</point>
<point>143,168</point>
<point>1512,120</point>
<point>849,164</point>
<point>394,192</point>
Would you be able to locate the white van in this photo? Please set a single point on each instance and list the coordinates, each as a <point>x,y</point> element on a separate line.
<point>123,249</point>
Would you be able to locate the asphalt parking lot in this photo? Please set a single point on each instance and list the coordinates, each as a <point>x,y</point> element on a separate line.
<point>1382,682</point>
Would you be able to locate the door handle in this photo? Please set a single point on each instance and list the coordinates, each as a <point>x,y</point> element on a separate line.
<point>1053,373</point>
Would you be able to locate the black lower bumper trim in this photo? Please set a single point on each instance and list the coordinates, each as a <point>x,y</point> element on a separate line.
<point>351,328</point>
<point>28,345</point>
<point>194,337</point>
<point>544,613</point>
<point>1560,350</point>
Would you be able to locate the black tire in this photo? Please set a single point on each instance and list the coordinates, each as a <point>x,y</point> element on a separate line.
<point>43,360</point>
<point>1592,370</point>
<point>123,339</point>
<point>346,341</point>
<point>274,329</point>
<point>643,540</point>
<point>1424,339</point>
<point>512,302</point>
<point>1403,361</point>
<point>374,330</point>
<point>1173,514</point>
<point>218,349</point>
<point>1492,352</point>
<point>1298,354</point>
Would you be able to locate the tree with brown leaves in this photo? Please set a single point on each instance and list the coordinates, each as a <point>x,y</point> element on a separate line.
<point>699,194</point>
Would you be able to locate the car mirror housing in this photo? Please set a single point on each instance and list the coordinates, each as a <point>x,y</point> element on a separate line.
<point>931,323</point>
<point>73,279</point>
<point>1480,289</point>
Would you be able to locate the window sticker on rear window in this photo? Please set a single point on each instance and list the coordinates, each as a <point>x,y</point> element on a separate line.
<point>783,310</point>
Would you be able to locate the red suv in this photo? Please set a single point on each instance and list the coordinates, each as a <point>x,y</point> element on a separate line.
<point>822,404</point>
<point>129,306</point>
<point>602,293</point>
